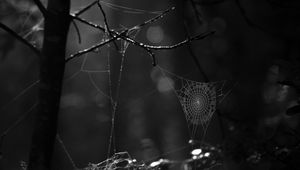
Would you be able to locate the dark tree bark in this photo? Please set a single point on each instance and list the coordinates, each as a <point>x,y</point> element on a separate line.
<point>52,66</point>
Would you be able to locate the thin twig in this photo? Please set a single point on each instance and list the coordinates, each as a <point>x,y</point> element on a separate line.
<point>123,35</point>
<point>21,39</point>
<point>145,46</point>
<point>81,11</point>
<point>41,7</point>
<point>87,22</point>
<point>104,18</point>
<point>168,47</point>
<point>116,35</point>
<point>106,24</point>
<point>157,17</point>
<point>79,53</point>
<point>74,16</point>
<point>148,48</point>
<point>77,31</point>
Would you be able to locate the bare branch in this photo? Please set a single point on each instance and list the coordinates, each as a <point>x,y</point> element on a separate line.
<point>106,23</point>
<point>77,31</point>
<point>149,48</point>
<point>157,17</point>
<point>154,63</point>
<point>21,39</point>
<point>74,17</point>
<point>123,35</point>
<point>41,7</point>
<point>116,35</point>
<point>81,11</point>
<point>94,47</point>
<point>167,47</point>
<point>104,16</point>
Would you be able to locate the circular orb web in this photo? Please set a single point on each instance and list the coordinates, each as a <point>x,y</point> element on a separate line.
<point>199,102</point>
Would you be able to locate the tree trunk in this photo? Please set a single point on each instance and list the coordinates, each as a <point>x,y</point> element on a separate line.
<point>52,66</point>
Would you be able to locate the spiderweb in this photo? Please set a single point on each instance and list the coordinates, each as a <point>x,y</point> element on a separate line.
<point>112,162</point>
<point>198,100</point>
<point>132,33</point>
<point>90,73</point>
<point>120,160</point>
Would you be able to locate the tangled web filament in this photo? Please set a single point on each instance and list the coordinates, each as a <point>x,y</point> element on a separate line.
<point>120,160</point>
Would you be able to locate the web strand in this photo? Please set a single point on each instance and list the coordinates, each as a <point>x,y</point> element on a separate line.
<point>181,93</point>
<point>61,143</point>
<point>124,45</point>
<point>198,100</point>
<point>128,9</point>
<point>14,125</point>
<point>91,79</point>
<point>24,91</point>
<point>115,104</point>
<point>111,137</point>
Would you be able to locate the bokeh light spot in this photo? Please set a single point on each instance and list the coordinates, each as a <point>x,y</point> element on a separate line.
<point>155,34</point>
<point>165,84</point>
<point>72,100</point>
<point>155,74</point>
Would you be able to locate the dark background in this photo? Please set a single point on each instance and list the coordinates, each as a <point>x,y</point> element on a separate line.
<point>255,47</point>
